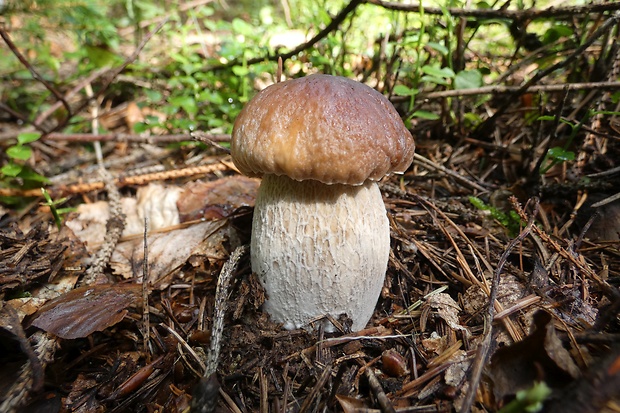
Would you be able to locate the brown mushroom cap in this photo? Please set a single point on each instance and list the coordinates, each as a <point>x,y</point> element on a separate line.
<point>326,128</point>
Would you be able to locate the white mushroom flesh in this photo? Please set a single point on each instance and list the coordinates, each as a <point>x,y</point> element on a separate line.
<point>319,249</point>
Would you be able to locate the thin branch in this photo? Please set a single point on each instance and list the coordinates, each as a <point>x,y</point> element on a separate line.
<point>527,14</point>
<point>377,390</point>
<point>7,39</point>
<point>606,201</point>
<point>80,85</point>
<point>427,163</point>
<point>496,90</point>
<point>80,188</point>
<point>113,73</point>
<point>114,230</point>
<point>486,125</point>
<point>320,384</point>
<point>321,35</point>
<point>125,137</point>
<point>209,140</point>
<point>146,319</point>
<point>483,351</point>
<point>13,113</point>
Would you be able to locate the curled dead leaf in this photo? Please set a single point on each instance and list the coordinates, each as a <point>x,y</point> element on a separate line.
<point>353,405</point>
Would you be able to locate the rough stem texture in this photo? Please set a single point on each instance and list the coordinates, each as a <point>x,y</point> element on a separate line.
<point>319,249</point>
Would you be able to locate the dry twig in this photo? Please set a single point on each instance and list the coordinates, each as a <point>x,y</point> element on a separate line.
<point>116,221</point>
<point>500,89</point>
<point>72,189</point>
<point>7,39</point>
<point>111,75</point>
<point>482,354</point>
<point>339,18</point>
<point>527,14</point>
<point>122,137</point>
<point>600,31</point>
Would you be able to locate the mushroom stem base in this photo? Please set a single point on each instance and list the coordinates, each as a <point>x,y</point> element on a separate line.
<point>319,249</point>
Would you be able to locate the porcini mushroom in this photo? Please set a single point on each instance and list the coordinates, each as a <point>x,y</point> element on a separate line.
<point>320,234</point>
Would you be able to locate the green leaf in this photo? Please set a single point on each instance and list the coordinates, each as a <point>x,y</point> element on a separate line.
<point>468,79</point>
<point>19,152</point>
<point>556,32</point>
<point>28,137</point>
<point>178,57</point>
<point>152,120</point>
<point>101,57</point>
<point>438,47</point>
<point>528,400</point>
<point>11,169</point>
<point>140,127</point>
<point>153,95</point>
<point>205,11</point>
<point>28,174</point>
<point>410,40</point>
<point>240,70</point>
<point>472,119</point>
<point>423,114</point>
<point>402,90</point>
<point>63,211</point>
<point>434,79</point>
<point>560,154</point>
<point>444,72</point>
<point>214,97</point>
<point>241,27</point>
<point>186,102</point>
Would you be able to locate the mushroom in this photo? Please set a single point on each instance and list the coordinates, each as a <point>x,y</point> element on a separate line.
<point>320,233</point>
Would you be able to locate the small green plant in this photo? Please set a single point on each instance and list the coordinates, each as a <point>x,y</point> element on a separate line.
<point>56,212</point>
<point>556,156</point>
<point>528,400</point>
<point>15,169</point>
<point>427,64</point>
<point>19,152</point>
<point>510,220</point>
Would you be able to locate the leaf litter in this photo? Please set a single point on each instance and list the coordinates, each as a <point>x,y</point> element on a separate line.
<point>420,354</point>
<point>555,318</point>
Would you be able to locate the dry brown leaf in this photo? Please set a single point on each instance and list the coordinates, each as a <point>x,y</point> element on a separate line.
<point>353,405</point>
<point>168,251</point>
<point>85,310</point>
<point>88,223</point>
<point>540,356</point>
<point>448,310</point>
<point>216,199</point>
<point>606,225</point>
<point>155,203</point>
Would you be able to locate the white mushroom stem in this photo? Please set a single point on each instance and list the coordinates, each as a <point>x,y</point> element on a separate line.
<point>319,249</point>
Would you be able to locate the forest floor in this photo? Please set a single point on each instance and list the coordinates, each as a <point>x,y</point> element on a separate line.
<point>481,213</point>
